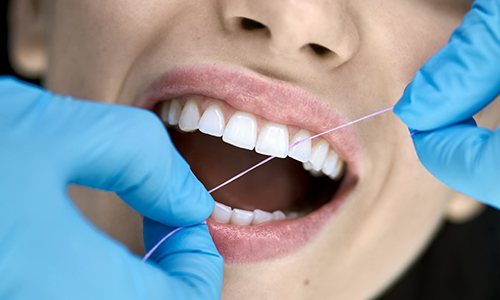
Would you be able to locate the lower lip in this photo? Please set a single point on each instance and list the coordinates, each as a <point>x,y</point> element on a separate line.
<point>248,244</point>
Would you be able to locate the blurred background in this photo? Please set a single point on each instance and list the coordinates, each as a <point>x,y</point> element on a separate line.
<point>5,67</point>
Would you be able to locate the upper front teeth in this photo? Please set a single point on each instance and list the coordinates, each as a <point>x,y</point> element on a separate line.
<point>190,116</point>
<point>226,215</point>
<point>212,122</point>
<point>242,131</point>
<point>318,155</point>
<point>302,151</point>
<point>171,113</point>
<point>273,140</point>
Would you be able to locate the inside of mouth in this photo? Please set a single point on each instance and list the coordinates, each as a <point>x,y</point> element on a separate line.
<point>280,185</point>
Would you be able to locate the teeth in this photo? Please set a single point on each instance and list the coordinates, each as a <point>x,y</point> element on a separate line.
<point>273,140</point>
<point>165,110</point>
<point>337,171</point>
<point>261,216</point>
<point>226,215</point>
<point>309,167</point>
<point>241,217</point>
<point>279,215</point>
<point>318,155</point>
<point>174,112</point>
<point>241,130</point>
<point>302,151</point>
<point>222,213</point>
<point>212,121</point>
<point>190,117</point>
<point>330,163</point>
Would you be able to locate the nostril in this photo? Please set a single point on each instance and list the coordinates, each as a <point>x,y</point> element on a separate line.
<point>249,24</point>
<point>320,50</point>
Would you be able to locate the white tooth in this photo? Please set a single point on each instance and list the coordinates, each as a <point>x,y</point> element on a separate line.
<point>337,171</point>
<point>330,163</point>
<point>273,140</point>
<point>241,217</point>
<point>222,213</point>
<point>241,130</point>
<point>318,155</point>
<point>302,151</point>
<point>174,112</point>
<point>190,116</point>
<point>279,215</point>
<point>165,109</point>
<point>292,215</point>
<point>307,166</point>
<point>261,216</point>
<point>212,121</point>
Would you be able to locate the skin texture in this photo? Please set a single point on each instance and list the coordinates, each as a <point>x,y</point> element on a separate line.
<point>111,50</point>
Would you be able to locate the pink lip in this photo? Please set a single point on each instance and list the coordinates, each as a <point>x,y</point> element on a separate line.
<point>279,102</point>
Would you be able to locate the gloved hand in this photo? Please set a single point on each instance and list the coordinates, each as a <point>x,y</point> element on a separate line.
<point>48,250</point>
<point>448,90</point>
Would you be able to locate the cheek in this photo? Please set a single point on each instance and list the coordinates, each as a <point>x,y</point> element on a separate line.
<point>93,44</point>
<point>396,42</point>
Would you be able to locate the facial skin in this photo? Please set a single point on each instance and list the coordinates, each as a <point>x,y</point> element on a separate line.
<point>112,50</point>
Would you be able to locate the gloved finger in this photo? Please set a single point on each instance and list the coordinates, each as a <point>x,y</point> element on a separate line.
<point>110,147</point>
<point>128,151</point>
<point>462,78</point>
<point>190,257</point>
<point>465,157</point>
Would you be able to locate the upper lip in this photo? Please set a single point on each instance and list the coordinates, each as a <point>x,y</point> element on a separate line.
<point>249,91</point>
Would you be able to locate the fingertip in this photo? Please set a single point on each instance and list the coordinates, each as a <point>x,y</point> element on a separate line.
<point>186,201</point>
<point>189,258</point>
<point>405,110</point>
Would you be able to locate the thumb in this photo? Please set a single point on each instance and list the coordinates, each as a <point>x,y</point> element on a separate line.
<point>189,257</point>
<point>465,157</point>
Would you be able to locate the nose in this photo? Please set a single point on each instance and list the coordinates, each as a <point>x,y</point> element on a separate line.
<point>323,29</point>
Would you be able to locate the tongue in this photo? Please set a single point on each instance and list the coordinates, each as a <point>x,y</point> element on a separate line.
<point>279,185</point>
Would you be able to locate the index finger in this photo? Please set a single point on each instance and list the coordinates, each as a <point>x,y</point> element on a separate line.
<point>115,148</point>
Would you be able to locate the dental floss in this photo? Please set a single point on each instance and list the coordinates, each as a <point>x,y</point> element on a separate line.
<point>150,252</point>
<point>268,159</point>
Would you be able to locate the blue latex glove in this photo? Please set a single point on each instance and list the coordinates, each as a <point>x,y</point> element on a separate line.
<point>455,84</point>
<point>48,250</point>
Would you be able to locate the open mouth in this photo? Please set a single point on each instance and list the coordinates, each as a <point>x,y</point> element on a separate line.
<point>281,190</point>
<point>278,207</point>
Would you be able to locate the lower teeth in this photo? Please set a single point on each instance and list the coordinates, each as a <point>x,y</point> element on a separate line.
<point>225,214</point>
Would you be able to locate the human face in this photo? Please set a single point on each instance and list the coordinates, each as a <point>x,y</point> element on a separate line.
<point>303,64</point>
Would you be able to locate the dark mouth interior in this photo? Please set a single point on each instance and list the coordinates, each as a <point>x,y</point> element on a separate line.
<point>281,184</point>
